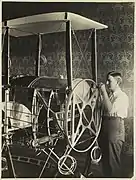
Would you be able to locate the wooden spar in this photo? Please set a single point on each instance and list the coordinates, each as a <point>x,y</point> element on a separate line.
<point>94,56</point>
<point>69,54</point>
<point>38,54</point>
<point>6,54</point>
<point>94,77</point>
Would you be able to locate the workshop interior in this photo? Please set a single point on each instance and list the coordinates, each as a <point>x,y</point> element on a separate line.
<point>54,55</point>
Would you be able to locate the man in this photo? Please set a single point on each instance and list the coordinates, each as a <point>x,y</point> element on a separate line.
<point>112,133</point>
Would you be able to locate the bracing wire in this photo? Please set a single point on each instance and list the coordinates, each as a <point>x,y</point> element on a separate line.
<point>47,159</point>
<point>10,156</point>
<point>82,52</point>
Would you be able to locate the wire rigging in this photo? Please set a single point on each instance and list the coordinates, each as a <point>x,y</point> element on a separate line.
<point>82,52</point>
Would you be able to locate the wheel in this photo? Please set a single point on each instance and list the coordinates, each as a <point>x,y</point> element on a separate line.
<point>55,113</point>
<point>82,119</point>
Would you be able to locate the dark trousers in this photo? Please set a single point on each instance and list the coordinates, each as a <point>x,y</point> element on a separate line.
<point>111,152</point>
<point>111,140</point>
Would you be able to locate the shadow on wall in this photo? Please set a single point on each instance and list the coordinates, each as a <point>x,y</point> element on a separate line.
<point>128,150</point>
<point>128,145</point>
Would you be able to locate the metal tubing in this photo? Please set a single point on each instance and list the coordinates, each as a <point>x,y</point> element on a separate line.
<point>38,54</point>
<point>94,56</point>
<point>69,55</point>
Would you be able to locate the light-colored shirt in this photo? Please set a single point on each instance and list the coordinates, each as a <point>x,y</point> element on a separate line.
<point>120,104</point>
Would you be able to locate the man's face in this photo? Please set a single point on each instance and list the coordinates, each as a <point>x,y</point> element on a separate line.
<point>111,83</point>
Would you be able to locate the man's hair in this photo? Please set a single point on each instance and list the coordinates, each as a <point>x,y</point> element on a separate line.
<point>117,75</point>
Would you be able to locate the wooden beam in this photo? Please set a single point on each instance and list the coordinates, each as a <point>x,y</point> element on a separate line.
<point>69,55</point>
<point>38,55</point>
<point>5,56</point>
<point>94,56</point>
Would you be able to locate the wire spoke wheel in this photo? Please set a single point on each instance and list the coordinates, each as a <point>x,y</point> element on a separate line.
<point>82,120</point>
<point>55,114</point>
<point>28,136</point>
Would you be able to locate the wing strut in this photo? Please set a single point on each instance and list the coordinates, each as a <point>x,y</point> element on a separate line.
<point>6,55</point>
<point>38,55</point>
<point>94,56</point>
<point>69,54</point>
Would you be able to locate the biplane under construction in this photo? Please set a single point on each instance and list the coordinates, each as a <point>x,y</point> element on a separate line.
<point>49,122</point>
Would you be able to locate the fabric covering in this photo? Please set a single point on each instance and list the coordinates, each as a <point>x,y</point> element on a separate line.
<point>82,90</point>
<point>50,23</point>
<point>18,114</point>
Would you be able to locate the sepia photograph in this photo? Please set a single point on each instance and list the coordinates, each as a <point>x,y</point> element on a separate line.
<point>67,89</point>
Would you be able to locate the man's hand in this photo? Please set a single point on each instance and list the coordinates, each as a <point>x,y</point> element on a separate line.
<point>102,87</point>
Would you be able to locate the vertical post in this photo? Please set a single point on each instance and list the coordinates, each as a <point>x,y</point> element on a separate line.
<point>6,61</point>
<point>69,55</point>
<point>94,56</point>
<point>6,120</point>
<point>6,53</point>
<point>1,106</point>
<point>38,54</point>
<point>94,77</point>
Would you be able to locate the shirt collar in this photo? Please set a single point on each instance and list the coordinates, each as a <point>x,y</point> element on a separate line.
<point>116,92</point>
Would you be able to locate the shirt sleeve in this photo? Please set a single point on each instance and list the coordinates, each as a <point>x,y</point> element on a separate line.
<point>120,106</point>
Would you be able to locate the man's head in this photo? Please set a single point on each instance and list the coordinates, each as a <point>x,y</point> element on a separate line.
<point>114,80</point>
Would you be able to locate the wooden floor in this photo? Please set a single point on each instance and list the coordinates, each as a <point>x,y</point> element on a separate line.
<point>29,171</point>
<point>29,165</point>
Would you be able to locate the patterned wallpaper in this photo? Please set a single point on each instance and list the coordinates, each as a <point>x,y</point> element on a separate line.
<point>115,47</point>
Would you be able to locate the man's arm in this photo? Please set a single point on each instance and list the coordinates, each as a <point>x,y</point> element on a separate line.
<point>106,100</point>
